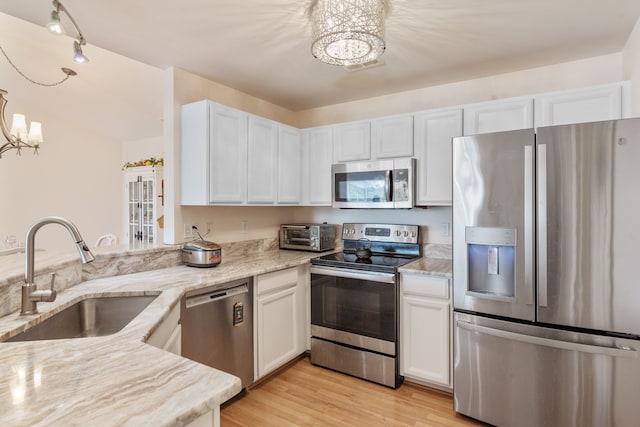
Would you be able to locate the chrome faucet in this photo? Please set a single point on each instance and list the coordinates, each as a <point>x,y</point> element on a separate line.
<point>30,296</point>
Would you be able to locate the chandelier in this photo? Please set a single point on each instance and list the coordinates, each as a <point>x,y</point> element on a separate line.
<point>348,32</point>
<point>18,138</point>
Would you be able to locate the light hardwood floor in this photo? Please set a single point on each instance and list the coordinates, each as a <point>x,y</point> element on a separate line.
<point>307,395</point>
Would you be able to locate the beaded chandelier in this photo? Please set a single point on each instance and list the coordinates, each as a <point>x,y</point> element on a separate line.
<point>348,32</point>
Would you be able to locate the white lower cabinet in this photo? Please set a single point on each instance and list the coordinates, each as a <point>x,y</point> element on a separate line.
<point>426,330</point>
<point>279,319</point>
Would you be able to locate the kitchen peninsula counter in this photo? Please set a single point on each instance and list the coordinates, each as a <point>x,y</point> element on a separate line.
<point>119,379</point>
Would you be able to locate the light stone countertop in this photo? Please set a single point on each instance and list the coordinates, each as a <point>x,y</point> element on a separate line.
<point>429,267</point>
<point>118,379</point>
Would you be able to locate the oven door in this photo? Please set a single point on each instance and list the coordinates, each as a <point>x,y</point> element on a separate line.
<point>354,307</point>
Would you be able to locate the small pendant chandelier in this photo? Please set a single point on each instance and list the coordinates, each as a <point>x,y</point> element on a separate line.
<point>348,32</point>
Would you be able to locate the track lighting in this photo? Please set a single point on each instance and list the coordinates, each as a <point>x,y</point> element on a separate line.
<point>55,27</point>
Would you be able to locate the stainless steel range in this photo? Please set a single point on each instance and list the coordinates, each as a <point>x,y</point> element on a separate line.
<point>354,301</point>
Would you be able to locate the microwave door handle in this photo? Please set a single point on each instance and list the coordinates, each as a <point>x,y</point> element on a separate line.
<point>389,185</point>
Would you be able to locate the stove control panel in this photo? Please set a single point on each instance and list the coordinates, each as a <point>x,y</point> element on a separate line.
<point>397,233</point>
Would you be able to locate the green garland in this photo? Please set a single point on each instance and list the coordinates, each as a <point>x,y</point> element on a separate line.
<point>151,161</point>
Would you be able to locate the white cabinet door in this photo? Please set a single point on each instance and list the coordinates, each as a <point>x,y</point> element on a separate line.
<point>579,106</point>
<point>262,161</point>
<point>352,141</point>
<point>289,165</point>
<point>498,116</point>
<point>433,133</point>
<point>425,329</point>
<point>214,154</point>
<point>280,319</point>
<point>426,339</point>
<point>317,158</point>
<point>228,155</point>
<point>392,137</point>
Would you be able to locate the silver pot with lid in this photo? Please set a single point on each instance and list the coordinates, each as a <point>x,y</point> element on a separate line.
<point>200,253</point>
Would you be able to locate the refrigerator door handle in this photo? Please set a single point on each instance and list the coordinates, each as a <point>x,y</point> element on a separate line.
<point>542,225</point>
<point>528,223</point>
<point>563,345</point>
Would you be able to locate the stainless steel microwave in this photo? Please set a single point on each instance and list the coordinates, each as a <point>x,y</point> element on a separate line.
<point>308,237</point>
<point>377,184</point>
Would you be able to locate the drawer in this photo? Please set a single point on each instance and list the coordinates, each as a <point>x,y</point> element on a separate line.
<point>430,286</point>
<point>277,280</point>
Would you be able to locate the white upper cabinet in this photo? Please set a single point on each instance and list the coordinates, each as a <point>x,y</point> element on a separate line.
<point>498,116</point>
<point>317,157</point>
<point>262,161</point>
<point>580,105</point>
<point>289,165</point>
<point>352,141</point>
<point>230,157</point>
<point>392,137</point>
<point>214,154</point>
<point>433,132</point>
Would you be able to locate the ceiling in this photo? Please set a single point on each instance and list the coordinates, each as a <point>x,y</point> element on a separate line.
<point>262,47</point>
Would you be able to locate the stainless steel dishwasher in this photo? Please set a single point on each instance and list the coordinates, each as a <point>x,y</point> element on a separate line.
<point>217,328</point>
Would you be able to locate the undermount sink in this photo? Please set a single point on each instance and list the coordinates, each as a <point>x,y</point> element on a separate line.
<point>91,317</point>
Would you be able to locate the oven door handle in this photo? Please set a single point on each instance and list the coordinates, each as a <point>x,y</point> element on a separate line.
<point>372,276</point>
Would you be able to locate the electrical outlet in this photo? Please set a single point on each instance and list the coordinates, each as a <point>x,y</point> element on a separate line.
<point>244,227</point>
<point>446,229</point>
<point>189,231</point>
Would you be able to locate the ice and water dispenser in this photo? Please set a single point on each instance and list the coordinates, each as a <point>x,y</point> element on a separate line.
<point>491,257</point>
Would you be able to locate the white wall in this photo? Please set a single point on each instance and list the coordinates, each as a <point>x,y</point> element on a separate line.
<point>133,151</point>
<point>76,175</point>
<point>85,120</point>
<point>631,67</point>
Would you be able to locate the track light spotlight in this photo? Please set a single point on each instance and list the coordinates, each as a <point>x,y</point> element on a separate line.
<point>78,56</point>
<point>54,26</point>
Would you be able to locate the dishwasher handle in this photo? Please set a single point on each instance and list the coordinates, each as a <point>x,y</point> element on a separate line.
<point>217,295</point>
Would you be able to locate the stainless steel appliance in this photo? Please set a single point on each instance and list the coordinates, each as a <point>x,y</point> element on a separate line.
<point>377,184</point>
<point>200,253</point>
<point>546,247</point>
<point>354,301</point>
<point>308,237</point>
<point>217,327</point>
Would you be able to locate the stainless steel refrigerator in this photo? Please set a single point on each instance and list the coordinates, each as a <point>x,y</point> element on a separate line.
<point>546,274</point>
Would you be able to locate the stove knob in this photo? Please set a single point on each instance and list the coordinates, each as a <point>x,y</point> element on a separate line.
<point>406,234</point>
<point>414,234</point>
<point>398,233</point>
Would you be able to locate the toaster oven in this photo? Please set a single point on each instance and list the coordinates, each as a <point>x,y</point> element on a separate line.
<point>308,237</point>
